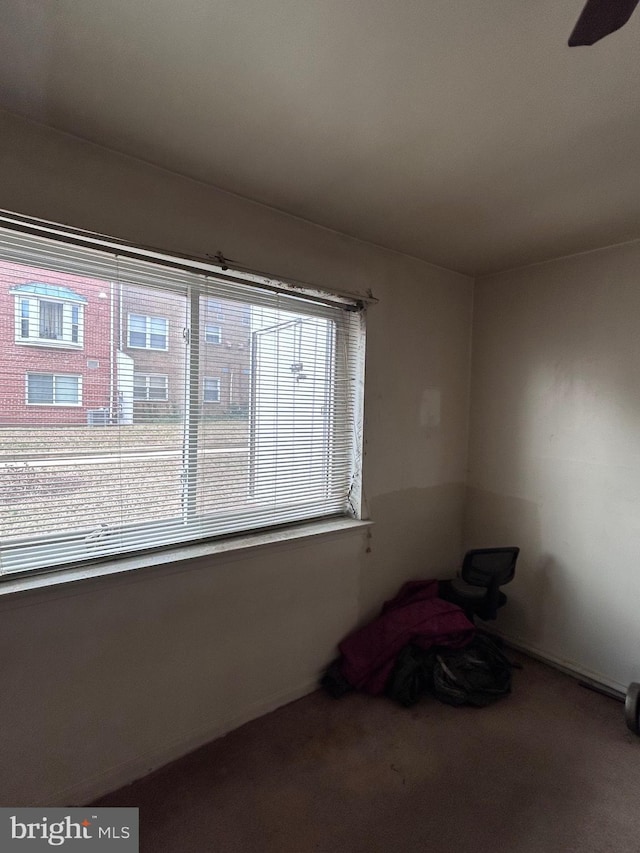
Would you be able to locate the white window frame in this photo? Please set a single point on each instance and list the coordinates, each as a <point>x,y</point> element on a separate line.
<point>148,377</point>
<point>327,504</point>
<point>55,377</point>
<point>208,334</point>
<point>34,338</point>
<point>148,318</point>
<point>204,389</point>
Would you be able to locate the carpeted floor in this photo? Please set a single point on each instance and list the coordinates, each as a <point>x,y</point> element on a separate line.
<point>550,768</point>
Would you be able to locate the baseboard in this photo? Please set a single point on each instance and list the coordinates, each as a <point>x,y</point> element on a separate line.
<point>93,787</point>
<point>89,789</point>
<point>596,679</point>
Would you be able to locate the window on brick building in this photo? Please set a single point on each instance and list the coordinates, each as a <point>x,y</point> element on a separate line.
<point>212,334</point>
<point>150,386</point>
<point>53,389</point>
<point>148,332</point>
<point>48,315</point>
<point>211,389</point>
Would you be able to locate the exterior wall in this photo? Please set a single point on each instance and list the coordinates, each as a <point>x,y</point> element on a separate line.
<point>170,362</point>
<point>229,360</point>
<point>18,359</point>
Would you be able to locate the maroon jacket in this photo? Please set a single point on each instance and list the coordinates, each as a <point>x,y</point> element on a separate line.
<point>415,615</point>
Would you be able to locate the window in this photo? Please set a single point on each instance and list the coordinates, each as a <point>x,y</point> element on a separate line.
<point>106,453</point>
<point>24,318</point>
<point>212,334</point>
<point>150,386</point>
<point>75,324</point>
<point>211,390</point>
<point>48,315</point>
<point>51,320</point>
<point>51,389</point>
<point>148,332</point>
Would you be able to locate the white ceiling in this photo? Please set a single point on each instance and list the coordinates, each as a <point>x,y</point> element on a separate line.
<point>464,132</point>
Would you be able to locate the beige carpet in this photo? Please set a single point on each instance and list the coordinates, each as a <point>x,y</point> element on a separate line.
<point>551,768</point>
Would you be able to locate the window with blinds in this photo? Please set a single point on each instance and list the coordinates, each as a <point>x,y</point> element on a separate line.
<point>150,401</point>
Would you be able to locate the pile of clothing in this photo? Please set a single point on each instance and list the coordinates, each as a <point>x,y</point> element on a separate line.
<point>421,645</point>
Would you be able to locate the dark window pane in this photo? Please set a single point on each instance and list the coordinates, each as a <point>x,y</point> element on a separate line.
<point>39,388</point>
<point>212,390</point>
<point>137,330</point>
<point>212,334</point>
<point>139,387</point>
<point>50,320</point>
<point>75,323</point>
<point>66,389</point>
<point>137,339</point>
<point>24,318</point>
<point>158,326</point>
<point>157,388</point>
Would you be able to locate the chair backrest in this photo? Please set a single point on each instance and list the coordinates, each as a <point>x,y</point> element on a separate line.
<point>489,566</point>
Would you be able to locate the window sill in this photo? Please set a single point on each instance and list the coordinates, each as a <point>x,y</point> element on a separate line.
<point>148,349</point>
<point>180,553</point>
<point>49,343</point>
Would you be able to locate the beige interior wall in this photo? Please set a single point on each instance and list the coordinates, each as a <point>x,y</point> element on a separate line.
<point>106,679</point>
<point>555,456</point>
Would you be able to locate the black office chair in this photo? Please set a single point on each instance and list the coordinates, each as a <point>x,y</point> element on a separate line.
<point>477,589</point>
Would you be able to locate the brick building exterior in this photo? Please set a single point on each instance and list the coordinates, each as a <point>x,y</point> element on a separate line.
<point>76,350</point>
<point>225,356</point>
<point>55,349</point>
<point>151,332</point>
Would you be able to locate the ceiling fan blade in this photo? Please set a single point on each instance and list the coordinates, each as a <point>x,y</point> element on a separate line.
<point>599,18</point>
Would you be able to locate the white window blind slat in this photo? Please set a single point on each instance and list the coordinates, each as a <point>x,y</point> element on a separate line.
<point>130,425</point>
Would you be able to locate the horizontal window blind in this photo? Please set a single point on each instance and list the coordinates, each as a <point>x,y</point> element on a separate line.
<point>127,425</point>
